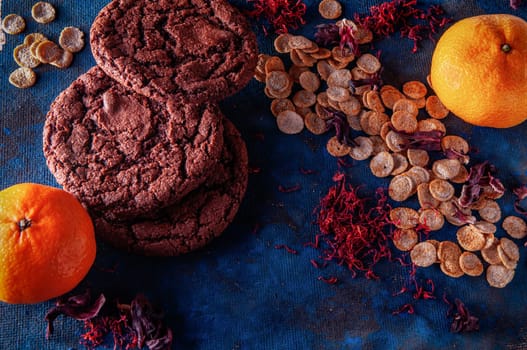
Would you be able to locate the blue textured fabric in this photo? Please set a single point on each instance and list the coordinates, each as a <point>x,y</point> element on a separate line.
<point>240,292</point>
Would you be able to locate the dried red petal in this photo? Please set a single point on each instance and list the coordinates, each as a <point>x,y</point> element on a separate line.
<point>79,307</point>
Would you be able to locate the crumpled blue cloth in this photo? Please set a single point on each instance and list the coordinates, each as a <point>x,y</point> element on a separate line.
<point>240,292</point>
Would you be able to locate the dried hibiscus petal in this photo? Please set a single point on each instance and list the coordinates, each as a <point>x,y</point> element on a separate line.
<point>480,175</point>
<point>515,4</point>
<point>80,307</point>
<point>147,322</point>
<point>462,321</point>
<point>521,194</point>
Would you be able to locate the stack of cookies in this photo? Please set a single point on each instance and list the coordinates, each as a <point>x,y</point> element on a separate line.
<point>140,140</point>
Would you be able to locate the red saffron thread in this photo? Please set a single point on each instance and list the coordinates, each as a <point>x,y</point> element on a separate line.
<point>353,234</point>
<point>403,15</point>
<point>280,15</point>
<point>304,171</point>
<point>408,308</point>
<point>328,280</point>
<point>286,247</point>
<point>294,188</point>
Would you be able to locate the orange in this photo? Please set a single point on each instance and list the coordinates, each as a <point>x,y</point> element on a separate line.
<point>479,70</point>
<point>47,243</point>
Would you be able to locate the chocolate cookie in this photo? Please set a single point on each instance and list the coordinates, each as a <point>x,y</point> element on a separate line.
<point>198,218</point>
<point>122,154</point>
<point>191,50</point>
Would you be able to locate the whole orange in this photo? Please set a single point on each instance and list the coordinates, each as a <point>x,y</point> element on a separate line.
<point>47,243</point>
<point>479,70</point>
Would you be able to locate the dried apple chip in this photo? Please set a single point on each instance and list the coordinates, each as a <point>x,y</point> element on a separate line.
<point>431,218</point>
<point>364,150</point>
<point>499,276</point>
<point>43,12</point>
<point>290,122</point>
<point>405,239</point>
<point>71,39</point>
<point>336,148</point>
<point>424,254</point>
<point>47,51</point>
<point>414,89</point>
<point>13,24</point>
<point>23,77</point>
<point>330,9</point>
<point>403,217</point>
<point>23,57</point>
<point>309,81</point>
<point>470,264</point>
<point>435,108</point>
<point>382,164</point>
<point>63,61</point>
<point>470,239</point>
<point>515,227</point>
<point>401,188</point>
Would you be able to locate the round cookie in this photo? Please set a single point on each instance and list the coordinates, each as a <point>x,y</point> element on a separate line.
<point>124,155</point>
<point>197,219</point>
<point>190,50</point>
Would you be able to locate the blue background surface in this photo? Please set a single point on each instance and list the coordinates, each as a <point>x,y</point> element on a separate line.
<point>240,292</point>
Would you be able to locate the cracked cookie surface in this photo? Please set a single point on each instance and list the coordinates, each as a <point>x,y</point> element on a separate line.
<point>124,155</point>
<point>191,50</point>
<point>198,218</point>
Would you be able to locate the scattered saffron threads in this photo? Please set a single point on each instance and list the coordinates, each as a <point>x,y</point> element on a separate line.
<point>462,319</point>
<point>402,15</point>
<point>304,171</point>
<point>408,308</point>
<point>515,4</point>
<point>254,170</point>
<point>287,248</point>
<point>353,234</point>
<point>280,15</point>
<point>328,280</point>
<point>314,244</point>
<point>294,188</point>
<point>521,194</point>
<point>318,265</point>
<point>341,162</point>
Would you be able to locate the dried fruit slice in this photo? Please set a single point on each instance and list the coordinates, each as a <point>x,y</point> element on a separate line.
<point>336,148</point>
<point>414,89</point>
<point>425,198</point>
<point>43,12</point>
<point>470,264</point>
<point>404,121</point>
<point>470,239</point>
<point>490,211</point>
<point>304,98</point>
<point>441,190</point>
<point>23,77</point>
<point>490,254</point>
<point>47,51</point>
<point>406,105</point>
<point>281,43</point>
<point>432,219</point>
<point>382,164</point>
<point>424,254</point>
<point>435,108</point>
<point>364,150</point>
<point>71,39</point>
<point>499,276</point>
<point>315,124</point>
<point>34,37</point>
<point>309,81</point>
<point>279,105</point>
<point>403,217</point>
<point>446,169</point>
<point>63,61</point>
<point>448,255</point>
<point>390,95</point>
<point>23,57</point>
<point>400,163</point>
<point>418,157</point>
<point>515,227</point>
<point>405,239</point>
<point>13,24</point>
<point>368,63</point>
<point>330,9</point>
<point>401,187</point>
<point>290,122</point>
